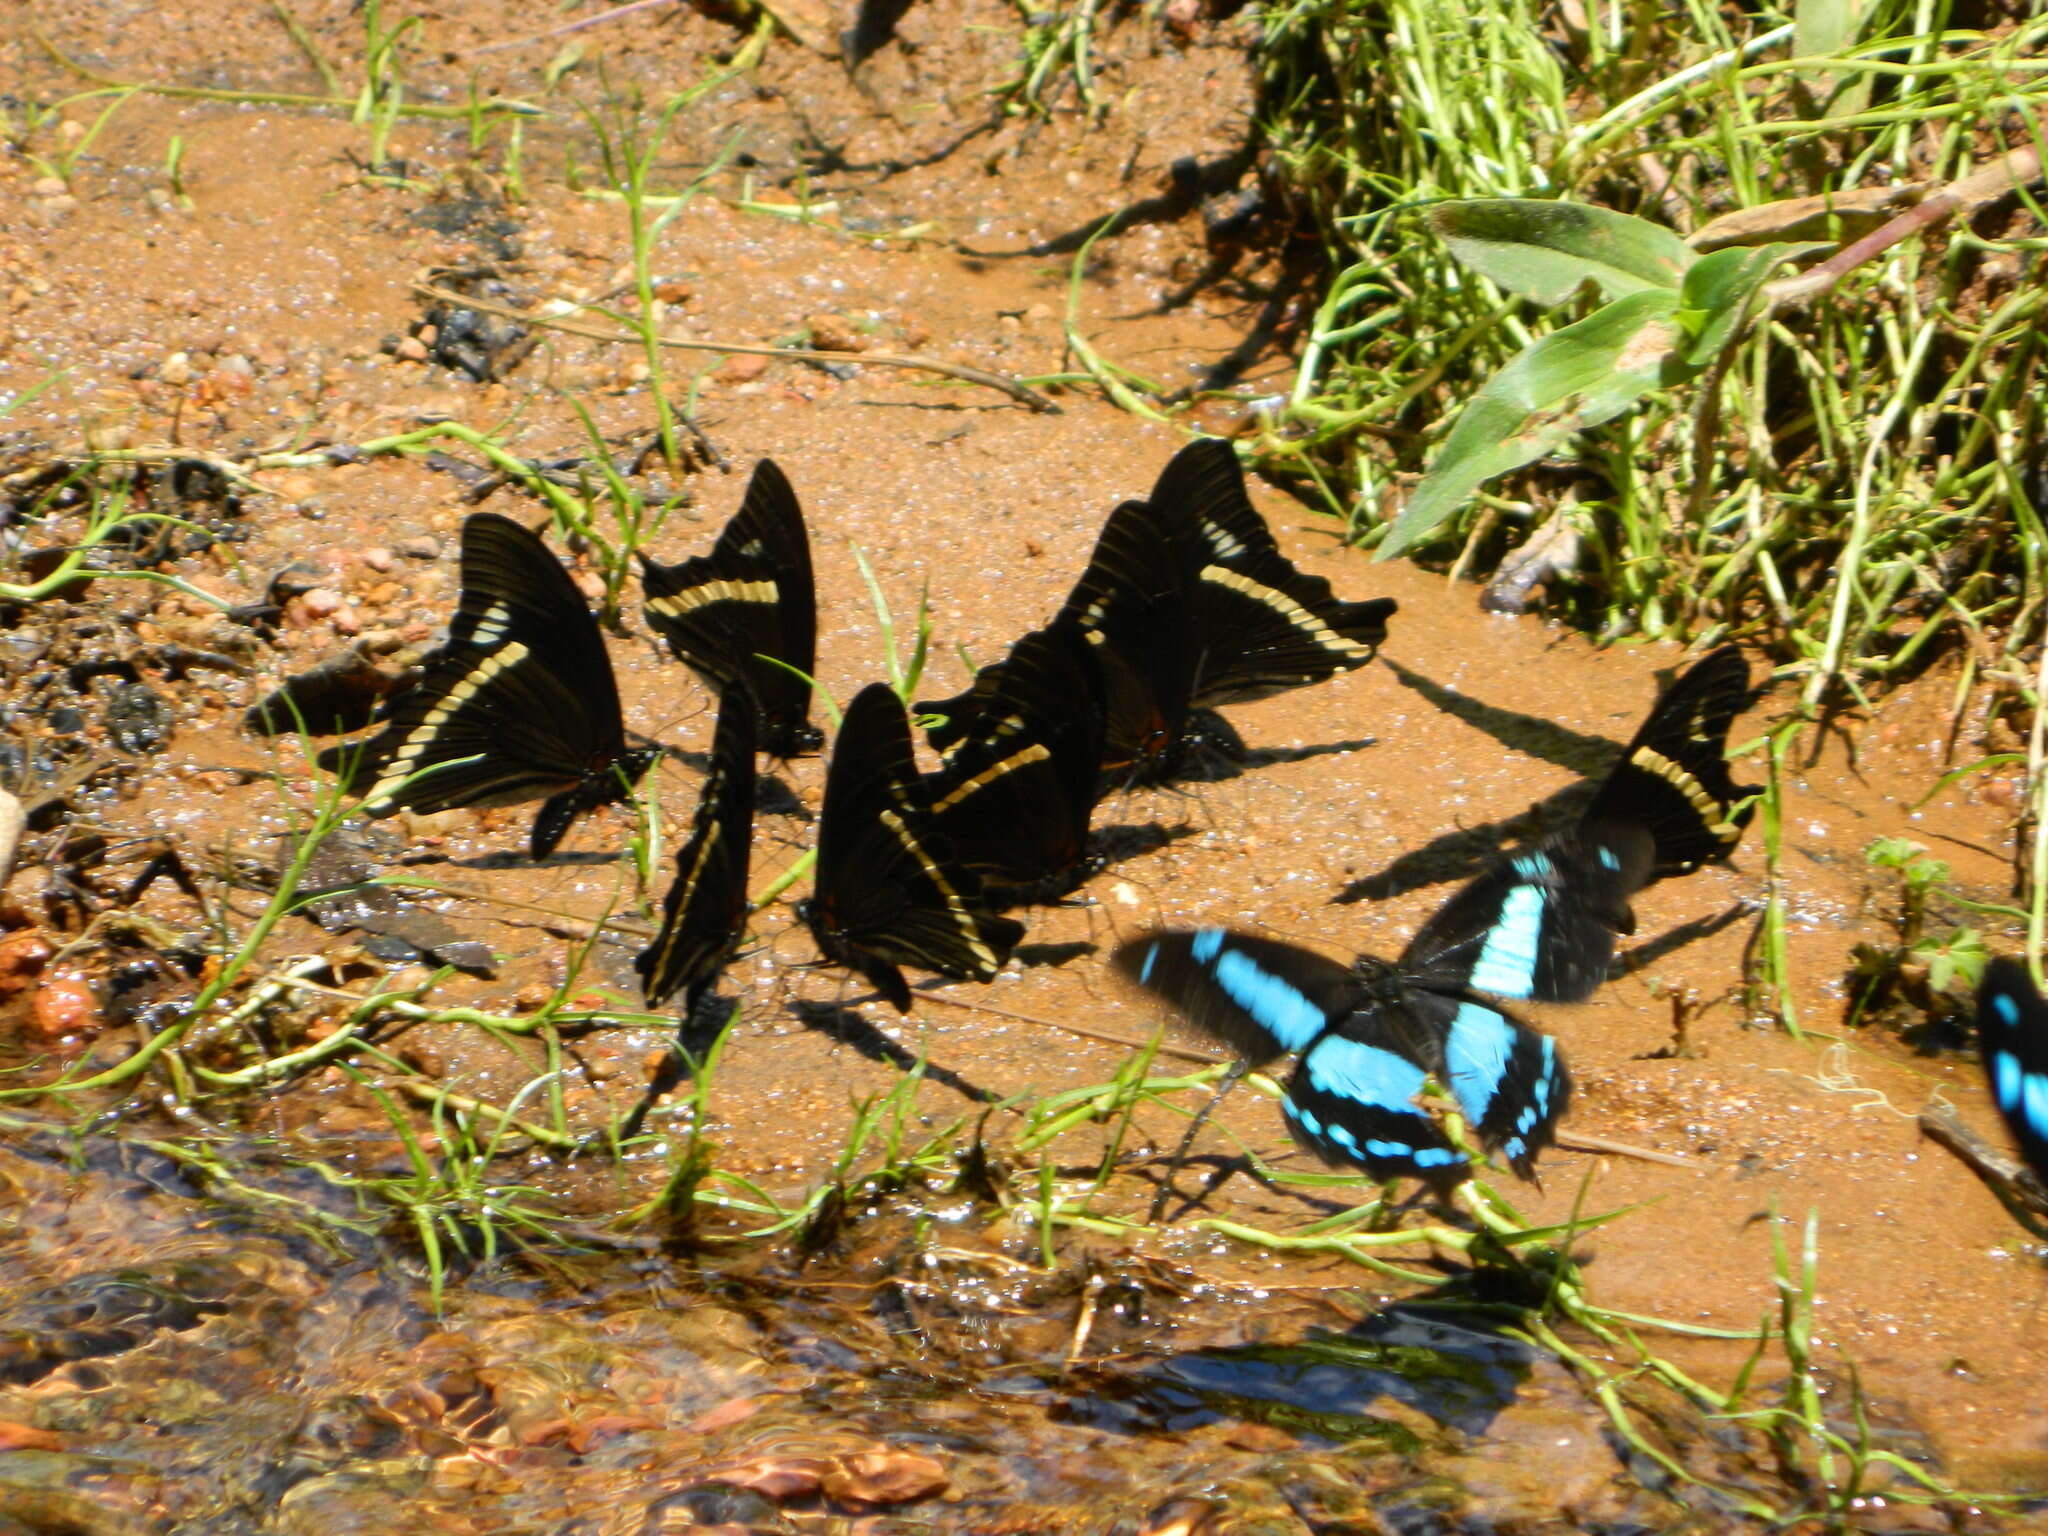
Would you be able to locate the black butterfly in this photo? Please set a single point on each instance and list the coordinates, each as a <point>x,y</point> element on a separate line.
<point>705,913</point>
<point>2012,1028</point>
<point>1015,797</point>
<point>1188,603</point>
<point>748,605</point>
<point>1260,625</point>
<point>1672,780</point>
<point>1368,1035</point>
<point>888,890</point>
<point>523,686</point>
<point>1130,610</point>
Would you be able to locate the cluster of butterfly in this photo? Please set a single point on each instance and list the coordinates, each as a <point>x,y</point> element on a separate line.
<point>1186,604</point>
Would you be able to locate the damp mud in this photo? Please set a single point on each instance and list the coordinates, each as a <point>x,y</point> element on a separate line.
<point>874,1272</point>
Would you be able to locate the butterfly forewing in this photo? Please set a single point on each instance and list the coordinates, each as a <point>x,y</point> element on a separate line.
<point>1132,608</point>
<point>1673,776</point>
<point>1259,996</point>
<point>2012,1029</point>
<point>523,686</point>
<point>1539,925</point>
<point>1260,624</point>
<point>705,912</point>
<point>889,891</point>
<point>747,606</point>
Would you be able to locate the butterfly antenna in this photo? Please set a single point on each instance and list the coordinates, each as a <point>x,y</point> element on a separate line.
<point>1230,1080</point>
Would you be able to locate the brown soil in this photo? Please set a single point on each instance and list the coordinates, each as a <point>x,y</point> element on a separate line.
<point>290,267</point>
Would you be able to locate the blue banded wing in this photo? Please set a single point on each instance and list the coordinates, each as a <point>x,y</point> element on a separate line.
<point>1540,925</point>
<point>1352,1100</point>
<point>1258,996</point>
<point>2012,1028</point>
<point>1509,1080</point>
<point>1673,780</point>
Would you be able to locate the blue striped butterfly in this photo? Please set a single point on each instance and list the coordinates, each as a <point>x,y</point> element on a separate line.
<point>2012,1028</point>
<point>1540,925</point>
<point>1368,1036</point>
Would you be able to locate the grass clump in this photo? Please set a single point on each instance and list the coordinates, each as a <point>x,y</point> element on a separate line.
<point>1851,473</point>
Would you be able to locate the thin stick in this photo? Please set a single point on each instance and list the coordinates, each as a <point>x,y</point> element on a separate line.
<point>1009,386</point>
<point>1177,1052</point>
<point>572,26</point>
<point>1577,1143</point>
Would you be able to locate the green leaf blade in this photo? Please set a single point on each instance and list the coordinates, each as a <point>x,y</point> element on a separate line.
<point>1546,249</point>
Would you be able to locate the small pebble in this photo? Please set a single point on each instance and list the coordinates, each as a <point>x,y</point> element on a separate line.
<point>48,186</point>
<point>744,369</point>
<point>411,350</point>
<point>176,369</point>
<point>378,558</point>
<point>63,1005</point>
<point>322,602</point>
<point>424,547</point>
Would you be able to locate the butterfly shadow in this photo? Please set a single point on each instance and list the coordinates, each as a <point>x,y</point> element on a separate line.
<point>1120,842</point>
<point>1650,951</point>
<point>1465,851</point>
<point>850,1028</point>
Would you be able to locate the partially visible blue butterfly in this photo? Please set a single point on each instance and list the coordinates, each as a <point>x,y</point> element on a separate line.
<point>2012,1028</point>
<point>1368,1036</point>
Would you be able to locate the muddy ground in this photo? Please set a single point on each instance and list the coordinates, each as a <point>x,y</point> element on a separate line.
<point>260,305</point>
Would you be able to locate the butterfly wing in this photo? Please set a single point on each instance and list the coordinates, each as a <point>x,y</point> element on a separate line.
<point>1258,996</point>
<point>1509,1080</point>
<point>1539,925</point>
<point>705,912</point>
<point>888,889</point>
<point>1262,625</point>
<point>2012,1028</point>
<point>1673,777</point>
<point>1015,797</point>
<point>523,685</point>
<point>752,598</point>
<point>1131,607</point>
<point>1352,1101</point>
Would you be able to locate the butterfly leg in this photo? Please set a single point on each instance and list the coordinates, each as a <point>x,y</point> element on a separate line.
<point>1230,1080</point>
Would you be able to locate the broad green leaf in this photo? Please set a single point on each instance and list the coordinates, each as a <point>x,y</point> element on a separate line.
<point>1546,249</point>
<point>1570,380</point>
<point>1719,289</point>
<point>1821,28</point>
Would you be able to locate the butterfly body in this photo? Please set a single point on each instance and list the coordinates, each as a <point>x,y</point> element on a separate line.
<point>1368,1037</point>
<point>519,703</point>
<point>889,891</point>
<point>1016,795</point>
<point>748,611</point>
<point>2012,1029</point>
<point>705,911</point>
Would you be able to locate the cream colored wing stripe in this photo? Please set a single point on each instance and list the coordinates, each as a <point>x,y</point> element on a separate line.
<point>712,833</point>
<point>404,761</point>
<point>1712,812</point>
<point>1034,753</point>
<point>675,604</point>
<point>490,629</point>
<point>969,933</point>
<point>1288,609</point>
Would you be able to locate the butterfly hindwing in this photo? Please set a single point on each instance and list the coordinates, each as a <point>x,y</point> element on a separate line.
<point>1353,1100</point>
<point>1673,776</point>
<point>705,912</point>
<point>888,890</point>
<point>1015,796</point>
<point>1509,1080</point>
<point>2012,1029</point>
<point>747,606</point>
<point>1260,625</point>
<point>523,685</point>
<point>1540,925</point>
